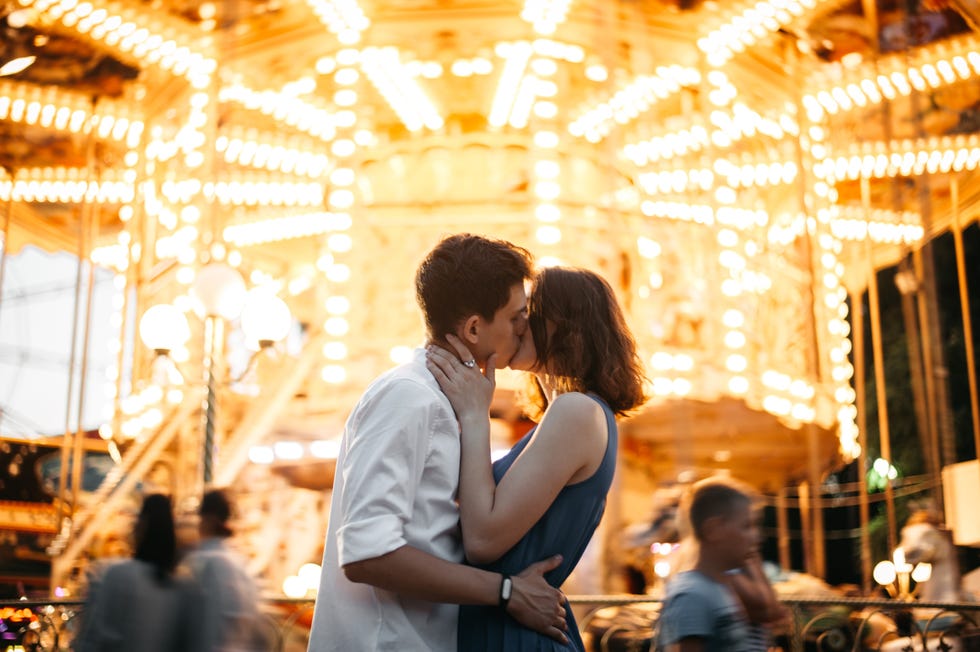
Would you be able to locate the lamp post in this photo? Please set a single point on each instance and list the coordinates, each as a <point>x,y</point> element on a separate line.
<point>220,293</point>
<point>219,296</point>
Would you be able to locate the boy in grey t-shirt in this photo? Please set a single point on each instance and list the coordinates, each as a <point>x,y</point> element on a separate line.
<point>698,607</point>
<point>701,613</point>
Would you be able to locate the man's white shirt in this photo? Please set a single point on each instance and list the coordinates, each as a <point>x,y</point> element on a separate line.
<point>396,483</point>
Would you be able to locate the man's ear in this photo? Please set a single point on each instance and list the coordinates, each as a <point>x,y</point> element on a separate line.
<point>469,332</point>
<point>711,526</point>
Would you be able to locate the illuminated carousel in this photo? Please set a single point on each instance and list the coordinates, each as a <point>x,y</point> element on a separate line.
<point>261,178</point>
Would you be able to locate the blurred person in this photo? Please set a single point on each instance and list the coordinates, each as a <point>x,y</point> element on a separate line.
<point>140,603</point>
<point>758,599</point>
<point>702,611</point>
<point>229,613</point>
<point>549,492</point>
<point>392,574</point>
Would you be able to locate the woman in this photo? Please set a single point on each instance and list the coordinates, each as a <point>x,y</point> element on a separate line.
<point>548,493</point>
<point>139,604</point>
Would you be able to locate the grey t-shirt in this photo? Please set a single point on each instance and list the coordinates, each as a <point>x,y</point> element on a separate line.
<point>697,606</point>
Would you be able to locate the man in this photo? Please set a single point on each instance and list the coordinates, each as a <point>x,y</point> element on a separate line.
<point>229,608</point>
<point>392,577</point>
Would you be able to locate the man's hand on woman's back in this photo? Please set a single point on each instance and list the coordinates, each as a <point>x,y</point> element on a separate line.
<point>536,604</point>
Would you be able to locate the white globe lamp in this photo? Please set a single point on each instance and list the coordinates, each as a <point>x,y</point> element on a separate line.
<point>884,573</point>
<point>294,587</point>
<point>219,291</point>
<point>265,318</point>
<point>163,328</point>
<point>310,574</point>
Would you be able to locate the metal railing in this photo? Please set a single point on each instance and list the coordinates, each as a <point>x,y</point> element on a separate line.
<point>629,624</point>
<point>611,623</point>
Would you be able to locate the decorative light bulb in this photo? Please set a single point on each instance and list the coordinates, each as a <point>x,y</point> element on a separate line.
<point>265,317</point>
<point>163,328</point>
<point>884,573</point>
<point>219,291</point>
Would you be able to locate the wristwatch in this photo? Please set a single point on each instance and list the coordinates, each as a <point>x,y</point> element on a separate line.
<point>506,588</point>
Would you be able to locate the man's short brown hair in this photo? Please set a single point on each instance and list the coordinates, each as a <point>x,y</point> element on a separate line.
<point>465,275</point>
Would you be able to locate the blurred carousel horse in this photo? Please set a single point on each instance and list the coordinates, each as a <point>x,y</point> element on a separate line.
<point>926,541</point>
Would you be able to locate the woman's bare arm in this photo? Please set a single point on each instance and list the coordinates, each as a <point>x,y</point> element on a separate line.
<point>569,442</point>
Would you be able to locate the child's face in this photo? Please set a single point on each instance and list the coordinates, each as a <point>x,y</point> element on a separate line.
<point>741,534</point>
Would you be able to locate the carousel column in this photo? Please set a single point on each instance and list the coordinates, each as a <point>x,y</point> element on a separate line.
<point>971,369</point>
<point>831,330</point>
<point>806,526</point>
<point>908,286</point>
<point>92,226</point>
<point>857,318</point>
<point>881,394</point>
<point>934,347</point>
<point>71,450</point>
<point>831,345</point>
<point>782,527</point>
<point>908,281</point>
<point>5,243</point>
<point>929,376</point>
<point>816,546</point>
<point>125,260</point>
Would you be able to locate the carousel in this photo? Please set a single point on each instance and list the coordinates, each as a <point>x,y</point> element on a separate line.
<point>244,188</point>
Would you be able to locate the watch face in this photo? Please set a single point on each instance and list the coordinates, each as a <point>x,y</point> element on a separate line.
<point>506,589</point>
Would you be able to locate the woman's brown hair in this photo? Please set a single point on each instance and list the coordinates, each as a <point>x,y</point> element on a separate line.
<point>590,347</point>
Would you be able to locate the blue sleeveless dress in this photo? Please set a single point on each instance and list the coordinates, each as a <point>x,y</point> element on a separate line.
<point>565,528</point>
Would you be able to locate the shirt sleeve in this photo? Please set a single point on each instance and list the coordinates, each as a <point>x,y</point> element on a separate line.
<point>387,444</point>
<point>685,615</point>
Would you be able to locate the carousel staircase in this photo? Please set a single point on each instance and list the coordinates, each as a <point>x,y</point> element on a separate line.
<point>118,484</point>
<point>260,417</point>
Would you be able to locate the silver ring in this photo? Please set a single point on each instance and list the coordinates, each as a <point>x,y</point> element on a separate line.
<point>470,363</point>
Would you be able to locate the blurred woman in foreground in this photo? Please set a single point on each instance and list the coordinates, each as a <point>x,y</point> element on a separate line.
<point>139,603</point>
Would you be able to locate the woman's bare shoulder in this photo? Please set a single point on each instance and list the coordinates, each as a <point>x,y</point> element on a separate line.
<point>579,411</point>
<point>576,404</point>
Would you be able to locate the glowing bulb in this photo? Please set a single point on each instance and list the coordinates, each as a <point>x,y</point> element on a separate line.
<point>884,573</point>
